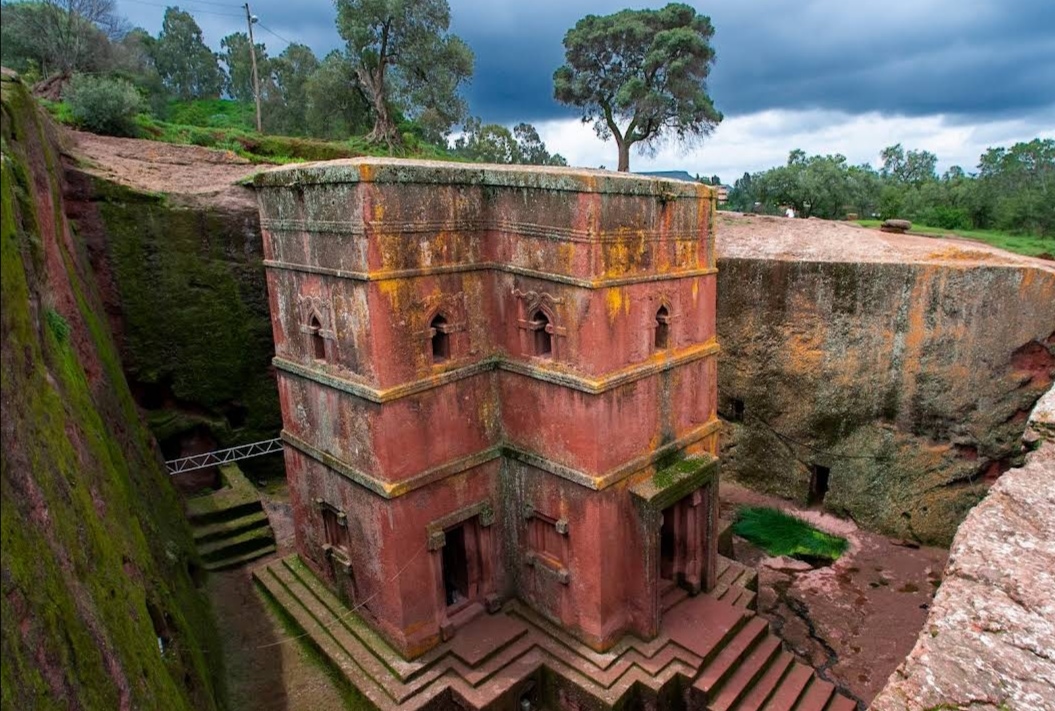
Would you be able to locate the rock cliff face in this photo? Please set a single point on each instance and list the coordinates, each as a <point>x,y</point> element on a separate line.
<point>183,284</point>
<point>99,607</point>
<point>989,642</point>
<point>902,379</point>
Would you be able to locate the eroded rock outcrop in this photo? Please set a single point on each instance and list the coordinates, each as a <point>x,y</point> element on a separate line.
<point>898,369</point>
<point>989,642</point>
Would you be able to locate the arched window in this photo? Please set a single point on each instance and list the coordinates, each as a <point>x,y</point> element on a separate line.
<point>318,343</point>
<point>441,339</point>
<point>543,339</point>
<point>662,339</point>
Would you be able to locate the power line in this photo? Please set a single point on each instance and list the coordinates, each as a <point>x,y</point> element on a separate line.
<point>272,32</point>
<point>204,12</point>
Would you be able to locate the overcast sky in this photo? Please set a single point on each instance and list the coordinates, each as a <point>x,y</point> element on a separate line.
<point>828,76</point>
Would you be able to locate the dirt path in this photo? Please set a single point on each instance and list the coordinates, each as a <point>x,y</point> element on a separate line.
<point>855,620</point>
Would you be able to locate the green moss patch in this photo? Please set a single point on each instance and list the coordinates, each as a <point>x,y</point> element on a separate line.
<point>777,533</point>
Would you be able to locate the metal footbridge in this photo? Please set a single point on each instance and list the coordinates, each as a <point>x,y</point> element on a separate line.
<point>223,456</point>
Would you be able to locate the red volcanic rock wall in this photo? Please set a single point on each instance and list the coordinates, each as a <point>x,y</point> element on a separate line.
<point>410,305</point>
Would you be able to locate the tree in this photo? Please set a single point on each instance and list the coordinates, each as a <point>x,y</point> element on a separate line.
<point>187,67</point>
<point>494,143</point>
<point>532,149</point>
<point>336,107</point>
<point>404,58</point>
<point>912,167</point>
<point>287,104</point>
<point>58,36</point>
<point>820,186</point>
<point>644,69</point>
<point>487,143</point>
<point>236,55</point>
<point>1019,183</point>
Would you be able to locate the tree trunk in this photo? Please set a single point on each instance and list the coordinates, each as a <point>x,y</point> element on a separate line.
<point>624,155</point>
<point>384,130</point>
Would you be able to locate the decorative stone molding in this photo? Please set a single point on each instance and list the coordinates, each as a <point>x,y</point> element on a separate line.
<point>436,538</point>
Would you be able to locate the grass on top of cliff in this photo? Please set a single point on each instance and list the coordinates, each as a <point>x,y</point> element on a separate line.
<point>221,125</point>
<point>1029,245</point>
<point>778,533</point>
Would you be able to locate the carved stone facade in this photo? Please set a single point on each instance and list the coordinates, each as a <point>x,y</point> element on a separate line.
<point>496,383</point>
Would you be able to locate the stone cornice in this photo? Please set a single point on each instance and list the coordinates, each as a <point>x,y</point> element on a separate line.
<point>393,274</point>
<point>392,490</point>
<point>514,229</point>
<point>413,172</point>
<point>592,386</point>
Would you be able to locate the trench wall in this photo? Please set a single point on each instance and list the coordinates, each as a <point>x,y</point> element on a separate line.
<point>910,382</point>
<point>99,607</point>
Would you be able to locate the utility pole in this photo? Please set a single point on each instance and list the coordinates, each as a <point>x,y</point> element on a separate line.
<point>249,20</point>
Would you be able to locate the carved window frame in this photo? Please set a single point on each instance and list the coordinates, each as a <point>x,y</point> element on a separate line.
<point>662,333</point>
<point>530,303</point>
<point>537,554</point>
<point>314,327</point>
<point>449,329</point>
<point>338,551</point>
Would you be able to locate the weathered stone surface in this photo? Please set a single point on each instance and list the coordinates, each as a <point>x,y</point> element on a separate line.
<point>183,283</point>
<point>989,642</point>
<point>906,368</point>
<point>507,366</point>
<point>96,554</point>
<point>896,226</point>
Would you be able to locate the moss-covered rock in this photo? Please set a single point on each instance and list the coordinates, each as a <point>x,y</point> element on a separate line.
<point>189,304</point>
<point>99,608</point>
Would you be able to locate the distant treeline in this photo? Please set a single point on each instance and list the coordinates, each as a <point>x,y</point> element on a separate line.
<point>343,94</point>
<point>1012,189</point>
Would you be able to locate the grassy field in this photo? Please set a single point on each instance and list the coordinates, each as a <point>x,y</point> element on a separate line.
<point>1029,245</point>
<point>780,534</point>
<point>226,125</point>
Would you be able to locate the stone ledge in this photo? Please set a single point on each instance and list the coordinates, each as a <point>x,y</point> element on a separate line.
<point>391,490</point>
<point>390,274</point>
<point>591,386</point>
<point>674,482</point>
<point>422,172</point>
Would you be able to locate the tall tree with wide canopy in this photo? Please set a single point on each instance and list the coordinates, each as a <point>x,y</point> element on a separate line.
<point>643,69</point>
<point>237,55</point>
<point>405,59</point>
<point>187,66</point>
<point>288,102</point>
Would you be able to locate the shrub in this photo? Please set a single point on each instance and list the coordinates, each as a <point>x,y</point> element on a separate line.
<point>59,326</point>
<point>103,105</point>
<point>780,534</point>
<point>947,218</point>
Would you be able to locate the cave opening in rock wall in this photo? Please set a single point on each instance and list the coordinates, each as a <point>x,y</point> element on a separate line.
<point>819,476</point>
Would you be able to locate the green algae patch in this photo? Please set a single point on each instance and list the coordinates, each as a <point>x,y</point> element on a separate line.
<point>778,533</point>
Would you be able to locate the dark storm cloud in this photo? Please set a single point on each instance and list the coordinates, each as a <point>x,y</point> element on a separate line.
<point>983,58</point>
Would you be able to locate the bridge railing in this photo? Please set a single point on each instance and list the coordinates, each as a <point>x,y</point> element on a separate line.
<point>223,456</point>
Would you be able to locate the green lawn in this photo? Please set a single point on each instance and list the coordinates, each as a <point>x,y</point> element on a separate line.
<point>1029,245</point>
<point>780,534</point>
